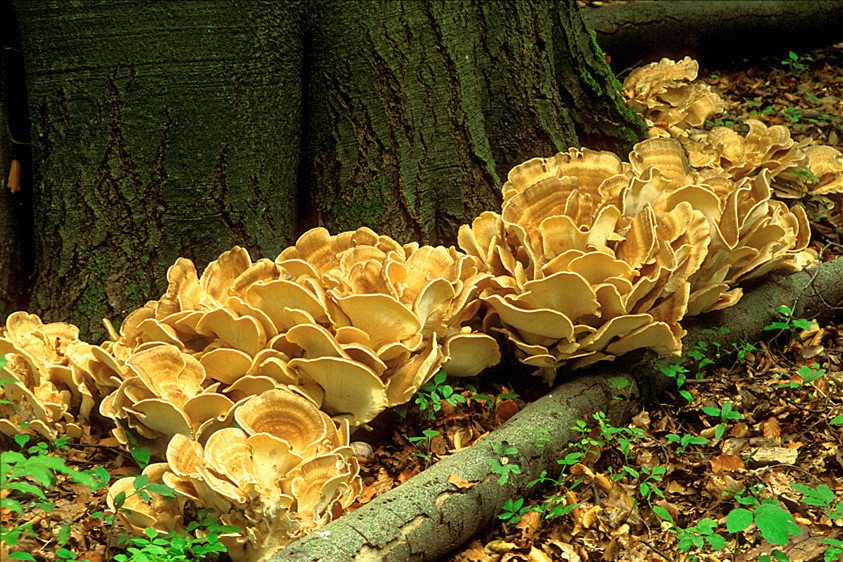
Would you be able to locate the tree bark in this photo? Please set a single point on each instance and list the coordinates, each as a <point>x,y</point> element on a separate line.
<point>719,32</point>
<point>16,253</point>
<point>419,108</point>
<point>161,129</point>
<point>428,516</point>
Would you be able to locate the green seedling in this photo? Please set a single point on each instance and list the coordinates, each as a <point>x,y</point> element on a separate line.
<point>700,537</point>
<point>27,475</point>
<point>431,394</point>
<point>822,496</point>
<point>423,442</point>
<point>199,541</point>
<point>513,510</point>
<point>685,441</point>
<point>796,64</point>
<point>775,523</point>
<point>725,414</point>
<point>787,322</point>
<point>502,466</point>
<point>808,374</point>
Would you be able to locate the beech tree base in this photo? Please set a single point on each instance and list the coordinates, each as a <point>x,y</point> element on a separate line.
<point>428,516</point>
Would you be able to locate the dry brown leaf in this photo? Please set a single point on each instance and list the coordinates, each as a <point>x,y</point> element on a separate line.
<point>739,430</point>
<point>771,428</point>
<point>529,525</point>
<point>642,420</point>
<point>726,463</point>
<point>505,409</point>
<point>408,473</point>
<point>537,555</point>
<point>499,547</point>
<point>460,483</point>
<point>580,469</point>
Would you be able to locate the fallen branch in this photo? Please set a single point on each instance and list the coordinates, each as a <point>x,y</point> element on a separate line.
<point>643,31</point>
<point>428,516</point>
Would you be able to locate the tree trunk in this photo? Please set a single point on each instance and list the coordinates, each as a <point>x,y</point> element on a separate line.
<point>16,254</point>
<point>720,32</point>
<point>426,517</point>
<point>161,129</point>
<point>418,108</point>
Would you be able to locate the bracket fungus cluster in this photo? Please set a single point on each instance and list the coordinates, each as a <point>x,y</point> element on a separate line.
<point>592,257</point>
<point>284,471</point>
<point>58,378</point>
<point>667,96</point>
<point>675,105</point>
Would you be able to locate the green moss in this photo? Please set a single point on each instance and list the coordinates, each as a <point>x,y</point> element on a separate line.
<point>136,294</point>
<point>366,208</point>
<point>591,82</point>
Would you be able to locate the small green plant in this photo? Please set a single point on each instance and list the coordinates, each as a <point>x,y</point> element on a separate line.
<point>823,497</point>
<point>28,474</point>
<point>775,523</point>
<point>647,477</point>
<point>540,437</point>
<point>796,64</point>
<point>787,323</point>
<point>513,510</point>
<point>700,537</point>
<point>834,552</point>
<point>685,441</point>
<point>502,466</point>
<point>199,540</point>
<point>807,374</point>
<point>431,394</point>
<point>792,114</point>
<point>725,414</point>
<point>423,443</point>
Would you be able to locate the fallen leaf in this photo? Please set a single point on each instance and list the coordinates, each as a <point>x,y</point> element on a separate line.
<point>499,547</point>
<point>529,525</point>
<point>460,483</point>
<point>725,462</point>
<point>505,409</point>
<point>771,428</point>
<point>407,474</point>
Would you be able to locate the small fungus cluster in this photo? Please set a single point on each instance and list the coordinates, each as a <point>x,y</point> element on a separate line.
<point>246,381</point>
<point>675,105</point>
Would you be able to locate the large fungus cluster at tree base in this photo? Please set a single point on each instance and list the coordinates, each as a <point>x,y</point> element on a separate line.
<point>246,381</point>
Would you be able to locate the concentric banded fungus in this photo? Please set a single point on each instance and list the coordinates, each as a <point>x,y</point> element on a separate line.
<point>356,321</point>
<point>58,377</point>
<point>592,257</point>
<point>392,309</point>
<point>288,470</point>
<point>666,95</point>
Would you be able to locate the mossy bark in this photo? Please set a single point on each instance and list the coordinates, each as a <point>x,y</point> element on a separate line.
<point>418,109</point>
<point>160,130</point>
<point>16,258</point>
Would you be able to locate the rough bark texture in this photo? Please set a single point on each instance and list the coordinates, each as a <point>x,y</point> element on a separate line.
<point>714,32</point>
<point>16,257</point>
<point>418,108</point>
<point>427,516</point>
<point>161,129</point>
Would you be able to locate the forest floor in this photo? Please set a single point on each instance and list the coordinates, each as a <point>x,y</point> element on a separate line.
<point>745,462</point>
